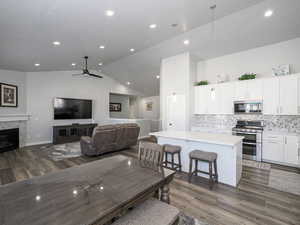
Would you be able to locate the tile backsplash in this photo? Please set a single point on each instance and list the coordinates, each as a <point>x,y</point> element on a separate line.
<point>289,124</point>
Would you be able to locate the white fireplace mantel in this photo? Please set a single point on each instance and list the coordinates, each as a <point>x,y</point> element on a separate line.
<point>14,117</point>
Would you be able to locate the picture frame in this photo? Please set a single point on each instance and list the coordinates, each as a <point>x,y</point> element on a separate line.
<point>8,95</point>
<point>115,107</point>
<point>149,106</point>
<point>281,70</point>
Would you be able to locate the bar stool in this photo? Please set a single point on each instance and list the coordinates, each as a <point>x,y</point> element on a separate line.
<point>210,158</point>
<point>172,150</point>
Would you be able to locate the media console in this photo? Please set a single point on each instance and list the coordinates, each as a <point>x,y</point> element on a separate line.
<point>71,133</point>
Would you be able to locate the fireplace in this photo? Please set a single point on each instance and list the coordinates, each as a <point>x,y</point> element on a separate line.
<point>9,140</point>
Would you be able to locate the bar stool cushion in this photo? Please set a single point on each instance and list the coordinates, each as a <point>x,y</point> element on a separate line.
<point>172,148</point>
<point>202,155</point>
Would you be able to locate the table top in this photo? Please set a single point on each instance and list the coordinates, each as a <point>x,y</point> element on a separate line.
<point>210,138</point>
<point>78,195</point>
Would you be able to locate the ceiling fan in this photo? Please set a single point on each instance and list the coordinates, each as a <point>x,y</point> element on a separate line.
<point>85,70</point>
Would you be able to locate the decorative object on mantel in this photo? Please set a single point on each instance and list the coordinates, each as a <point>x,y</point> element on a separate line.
<point>202,82</point>
<point>248,76</point>
<point>222,78</point>
<point>8,95</point>
<point>115,107</point>
<point>281,70</point>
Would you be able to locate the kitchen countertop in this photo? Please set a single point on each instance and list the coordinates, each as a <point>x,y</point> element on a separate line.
<point>211,138</point>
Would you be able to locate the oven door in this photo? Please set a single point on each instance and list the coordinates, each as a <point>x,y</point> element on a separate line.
<point>251,147</point>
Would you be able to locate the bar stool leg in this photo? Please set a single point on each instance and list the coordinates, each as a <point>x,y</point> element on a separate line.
<point>173,161</point>
<point>196,167</point>
<point>210,176</point>
<point>190,170</point>
<point>179,161</point>
<point>216,171</point>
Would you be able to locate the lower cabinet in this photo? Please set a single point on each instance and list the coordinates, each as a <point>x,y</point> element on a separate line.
<point>281,149</point>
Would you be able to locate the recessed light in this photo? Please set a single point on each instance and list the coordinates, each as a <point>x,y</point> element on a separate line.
<point>128,83</point>
<point>38,198</point>
<point>73,64</point>
<point>102,46</point>
<point>37,64</point>
<point>100,64</point>
<point>132,49</point>
<point>152,26</point>
<point>157,77</point>
<point>56,43</point>
<point>268,13</point>
<point>109,12</point>
<point>186,42</point>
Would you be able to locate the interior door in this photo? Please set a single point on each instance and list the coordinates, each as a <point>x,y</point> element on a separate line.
<point>271,96</point>
<point>288,95</point>
<point>176,114</point>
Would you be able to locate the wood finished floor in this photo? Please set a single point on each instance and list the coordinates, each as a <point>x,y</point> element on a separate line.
<point>253,202</point>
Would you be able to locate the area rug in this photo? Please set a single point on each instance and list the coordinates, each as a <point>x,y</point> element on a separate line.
<point>62,151</point>
<point>285,181</point>
<point>258,165</point>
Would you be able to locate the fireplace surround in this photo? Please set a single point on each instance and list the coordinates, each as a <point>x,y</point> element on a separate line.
<point>9,139</point>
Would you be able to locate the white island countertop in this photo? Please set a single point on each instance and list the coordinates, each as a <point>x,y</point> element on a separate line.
<point>210,138</point>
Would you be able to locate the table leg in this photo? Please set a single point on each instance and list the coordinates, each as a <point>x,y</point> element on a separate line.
<point>165,194</point>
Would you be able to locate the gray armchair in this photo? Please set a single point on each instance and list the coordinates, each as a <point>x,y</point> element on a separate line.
<point>110,138</point>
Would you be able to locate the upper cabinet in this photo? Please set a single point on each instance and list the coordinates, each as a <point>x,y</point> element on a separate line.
<point>280,95</point>
<point>271,96</point>
<point>288,95</point>
<point>248,90</point>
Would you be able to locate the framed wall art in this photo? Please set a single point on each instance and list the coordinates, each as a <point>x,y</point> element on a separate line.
<point>8,95</point>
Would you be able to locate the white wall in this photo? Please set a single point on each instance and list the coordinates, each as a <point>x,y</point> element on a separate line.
<point>124,100</point>
<point>43,87</point>
<point>258,60</point>
<point>155,113</point>
<point>19,79</point>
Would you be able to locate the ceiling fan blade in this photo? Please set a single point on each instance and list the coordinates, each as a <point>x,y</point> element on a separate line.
<point>78,74</point>
<point>94,75</point>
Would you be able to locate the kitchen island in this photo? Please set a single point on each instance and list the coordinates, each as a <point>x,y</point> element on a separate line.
<point>228,148</point>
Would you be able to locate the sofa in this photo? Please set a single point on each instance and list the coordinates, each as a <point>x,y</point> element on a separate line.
<point>110,138</point>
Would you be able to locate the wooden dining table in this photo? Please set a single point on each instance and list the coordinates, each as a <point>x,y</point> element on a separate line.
<point>90,194</point>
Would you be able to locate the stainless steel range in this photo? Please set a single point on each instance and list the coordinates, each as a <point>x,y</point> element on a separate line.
<point>252,131</point>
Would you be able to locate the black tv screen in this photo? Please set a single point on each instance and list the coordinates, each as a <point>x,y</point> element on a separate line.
<point>67,108</point>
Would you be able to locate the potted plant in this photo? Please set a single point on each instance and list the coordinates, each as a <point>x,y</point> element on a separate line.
<point>248,76</point>
<point>202,82</point>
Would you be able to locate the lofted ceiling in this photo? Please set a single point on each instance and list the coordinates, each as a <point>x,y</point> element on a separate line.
<point>28,28</point>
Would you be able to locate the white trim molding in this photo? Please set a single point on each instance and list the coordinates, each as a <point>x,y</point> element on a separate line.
<point>14,117</point>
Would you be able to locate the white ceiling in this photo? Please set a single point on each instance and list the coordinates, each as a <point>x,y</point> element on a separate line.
<point>28,28</point>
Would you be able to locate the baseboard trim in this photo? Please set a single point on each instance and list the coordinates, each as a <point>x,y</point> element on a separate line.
<point>38,143</point>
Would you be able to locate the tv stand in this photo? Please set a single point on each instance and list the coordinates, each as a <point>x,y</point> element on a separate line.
<point>71,133</point>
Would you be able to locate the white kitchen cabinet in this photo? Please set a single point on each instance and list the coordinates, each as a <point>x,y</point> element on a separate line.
<point>271,96</point>
<point>201,99</point>
<point>288,93</point>
<point>291,150</point>
<point>282,149</point>
<point>226,92</point>
<point>240,90</point>
<point>254,89</point>
<point>273,151</point>
<point>248,90</point>
<point>213,96</point>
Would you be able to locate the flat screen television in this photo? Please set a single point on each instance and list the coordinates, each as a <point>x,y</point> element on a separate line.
<point>68,108</point>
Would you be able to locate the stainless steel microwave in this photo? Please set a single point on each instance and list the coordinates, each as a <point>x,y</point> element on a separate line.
<point>248,107</point>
